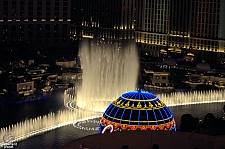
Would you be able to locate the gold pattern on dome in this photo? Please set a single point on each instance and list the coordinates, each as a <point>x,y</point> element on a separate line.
<point>115,101</point>
<point>163,104</point>
<point>150,105</point>
<point>139,105</point>
<point>127,104</point>
<point>158,103</point>
<point>118,103</point>
<point>145,106</point>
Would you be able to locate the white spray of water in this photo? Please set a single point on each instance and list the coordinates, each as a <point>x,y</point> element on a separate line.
<point>109,69</point>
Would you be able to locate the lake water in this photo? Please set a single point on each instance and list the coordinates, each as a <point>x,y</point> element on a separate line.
<point>56,138</point>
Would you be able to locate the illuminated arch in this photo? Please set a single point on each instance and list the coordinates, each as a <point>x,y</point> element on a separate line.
<point>109,126</point>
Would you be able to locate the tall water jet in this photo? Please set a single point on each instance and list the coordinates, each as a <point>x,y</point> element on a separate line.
<point>110,68</point>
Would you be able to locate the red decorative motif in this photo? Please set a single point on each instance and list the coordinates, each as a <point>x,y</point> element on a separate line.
<point>137,127</point>
<point>133,127</point>
<point>161,127</point>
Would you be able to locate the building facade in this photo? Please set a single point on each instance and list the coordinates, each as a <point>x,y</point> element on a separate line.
<point>34,23</point>
<point>173,25</point>
<point>113,19</point>
<point>190,25</point>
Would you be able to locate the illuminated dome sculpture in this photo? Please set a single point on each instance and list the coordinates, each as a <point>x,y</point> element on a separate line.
<point>137,110</point>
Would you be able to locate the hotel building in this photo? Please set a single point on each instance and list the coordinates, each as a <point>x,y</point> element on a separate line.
<point>157,25</point>
<point>183,26</point>
<point>34,23</point>
<point>112,19</point>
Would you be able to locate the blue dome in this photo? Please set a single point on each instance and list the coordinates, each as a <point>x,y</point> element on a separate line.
<point>138,110</point>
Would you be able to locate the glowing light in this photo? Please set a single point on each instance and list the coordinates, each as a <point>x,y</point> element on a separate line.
<point>102,83</point>
<point>190,54</point>
<point>85,36</point>
<point>79,125</point>
<point>108,127</point>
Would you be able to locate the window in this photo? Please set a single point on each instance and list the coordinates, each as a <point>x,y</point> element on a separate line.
<point>22,2</point>
<point>30,18</point>
<point>64,26</point>
<point>47,13</point>
<point>64,8</point>
<point>39,3</point>
<point>39,14</point>
<point>47,26</point>
<point>164,78</point>
<point>56,8</point>
<point>39,8</point>
<point>13,2</point>
<point>55,40</point>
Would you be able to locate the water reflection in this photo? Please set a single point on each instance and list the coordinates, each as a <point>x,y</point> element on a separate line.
<point>13,113</point>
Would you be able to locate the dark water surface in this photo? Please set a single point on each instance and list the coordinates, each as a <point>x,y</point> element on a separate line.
<point>13,113</point>
<point>55,139</point>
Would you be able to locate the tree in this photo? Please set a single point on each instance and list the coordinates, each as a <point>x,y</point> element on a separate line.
<point>209,124</point>
<point>189,123</point>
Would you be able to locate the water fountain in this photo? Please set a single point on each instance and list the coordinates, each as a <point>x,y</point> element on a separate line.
<point>31,127</point>
<point>110,68</point>
<point>172,99</point>
<point>101,85</point>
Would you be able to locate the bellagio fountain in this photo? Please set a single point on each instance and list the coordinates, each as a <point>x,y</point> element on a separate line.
<point>110,68</point>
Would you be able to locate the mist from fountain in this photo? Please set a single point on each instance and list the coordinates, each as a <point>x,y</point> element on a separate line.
<point>172,99</point>
<point>110,68</point>
<point>189,98</point>
<point>31,127</point>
